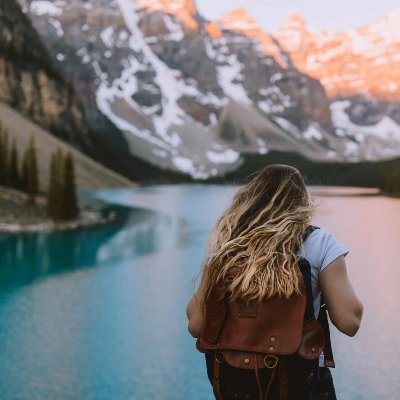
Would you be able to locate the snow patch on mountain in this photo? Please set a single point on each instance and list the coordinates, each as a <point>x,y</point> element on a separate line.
<point>107,36</point>
<point>374,141</point>
<point>312,132</point>
<point>84,55</point>
<point>288,126</point>
<point>262,146</point>
<point>386,128</point>
<point>175,28</point>
<point>275,100</point>
<point>123,88</point>
<point>228,76</point>
<point>171,87</point>
<point>57,26</point>
<point>227,156</point>
<point>43,7</point>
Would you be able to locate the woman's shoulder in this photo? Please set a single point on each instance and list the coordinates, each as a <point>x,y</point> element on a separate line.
<point>319,232</point>
<point>321,248</point>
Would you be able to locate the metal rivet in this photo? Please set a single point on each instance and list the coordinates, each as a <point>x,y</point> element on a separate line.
<point>271,347</point>
<point>272,339</point>
<point>247,360</point>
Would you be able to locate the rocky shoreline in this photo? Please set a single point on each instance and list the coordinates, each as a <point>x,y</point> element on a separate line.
<point>17,216</point>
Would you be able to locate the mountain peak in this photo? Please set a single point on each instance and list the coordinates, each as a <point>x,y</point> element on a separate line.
<point>184,10</point>
<point>170,6</point>
<point>386,26</point>
<point>294,21</point>
<point>239,20</point>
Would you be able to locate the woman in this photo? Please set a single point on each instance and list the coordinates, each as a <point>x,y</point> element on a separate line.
<point>264,231</point>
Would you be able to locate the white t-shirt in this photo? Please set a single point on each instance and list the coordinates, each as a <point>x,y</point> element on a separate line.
<point>320,249</point>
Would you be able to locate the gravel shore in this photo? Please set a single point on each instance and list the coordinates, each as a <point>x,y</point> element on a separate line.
<point>17,215</point>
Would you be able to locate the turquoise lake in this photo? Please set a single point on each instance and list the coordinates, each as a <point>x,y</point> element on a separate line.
<point>99,313</point>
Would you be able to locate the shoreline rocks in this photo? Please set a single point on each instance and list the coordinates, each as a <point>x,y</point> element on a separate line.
<point>17,216</point>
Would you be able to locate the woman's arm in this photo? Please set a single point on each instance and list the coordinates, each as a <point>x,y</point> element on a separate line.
<point>344,307</point>
<point>195,317</point>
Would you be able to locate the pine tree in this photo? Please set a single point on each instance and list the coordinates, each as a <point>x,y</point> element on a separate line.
<point>55,193</point>
<point>70,197</point>
<point>30,177</point>
<point>13,170</point>
<point>228,131</point>
<point>4,150</point>
<point>25,171</point>
<point>2,160</point>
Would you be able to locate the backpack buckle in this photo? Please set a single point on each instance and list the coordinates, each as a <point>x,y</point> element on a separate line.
<point>270,361</point>
<point>219,357</point>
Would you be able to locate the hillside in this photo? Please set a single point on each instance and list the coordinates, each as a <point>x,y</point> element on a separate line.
<point>89,173</point>
<point>32,84</point>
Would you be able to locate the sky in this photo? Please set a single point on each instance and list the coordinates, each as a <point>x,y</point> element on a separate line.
<point>331,15</point>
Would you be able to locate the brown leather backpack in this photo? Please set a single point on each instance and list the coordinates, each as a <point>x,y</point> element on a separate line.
<point>260,336</point>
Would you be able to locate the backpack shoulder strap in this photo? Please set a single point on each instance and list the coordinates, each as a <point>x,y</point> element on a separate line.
<point>305,269</point>
<point>309,230</point>
<point>323,316</point>
<point>329,361</point>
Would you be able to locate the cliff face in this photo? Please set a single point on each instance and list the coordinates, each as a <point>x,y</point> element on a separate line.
<point>31,84</point>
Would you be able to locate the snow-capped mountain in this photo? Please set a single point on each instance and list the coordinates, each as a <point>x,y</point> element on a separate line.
<point>242,23</point>
<point>360,72</point>
<point>363,61</point>
<point>191,95</point>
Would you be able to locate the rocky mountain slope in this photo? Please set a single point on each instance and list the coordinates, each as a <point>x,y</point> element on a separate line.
<point>191,95</point>
<point>30,83</point>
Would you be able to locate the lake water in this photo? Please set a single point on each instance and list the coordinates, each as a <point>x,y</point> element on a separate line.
<point>100,313</point>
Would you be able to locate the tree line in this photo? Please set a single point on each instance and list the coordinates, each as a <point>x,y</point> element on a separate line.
<point>61,196</point>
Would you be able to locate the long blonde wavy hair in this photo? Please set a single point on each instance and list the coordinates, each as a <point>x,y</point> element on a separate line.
<point>261,230</point>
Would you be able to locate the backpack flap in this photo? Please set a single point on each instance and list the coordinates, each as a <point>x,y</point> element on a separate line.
<point>275,327</point>
<point>272,326</point>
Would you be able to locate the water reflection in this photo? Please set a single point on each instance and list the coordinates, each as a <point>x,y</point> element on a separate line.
<point>27,257</point>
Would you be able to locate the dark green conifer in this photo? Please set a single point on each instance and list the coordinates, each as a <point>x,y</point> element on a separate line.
<point>30,177</point>
<point>4,151</point>
<point>70,197</point>
<point>13,170</point>
<point>228,131</point>
<point>55,192</point>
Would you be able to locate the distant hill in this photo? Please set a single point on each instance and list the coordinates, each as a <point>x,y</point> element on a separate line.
<point>89,173</point>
